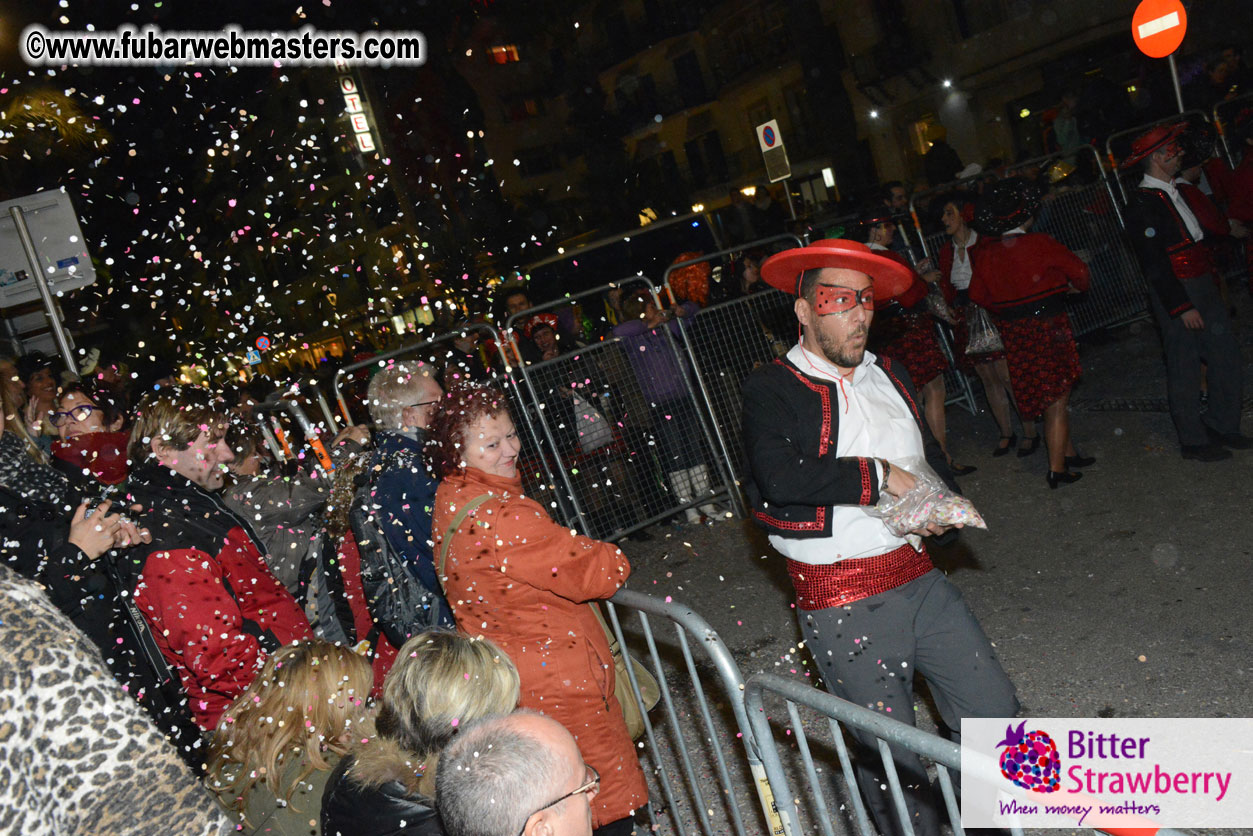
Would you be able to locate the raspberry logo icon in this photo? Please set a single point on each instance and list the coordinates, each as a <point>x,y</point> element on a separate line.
<point>1030,759</point>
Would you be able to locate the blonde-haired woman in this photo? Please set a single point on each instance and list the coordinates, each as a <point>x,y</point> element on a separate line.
<point>440,681</point>
<point>275,746</point>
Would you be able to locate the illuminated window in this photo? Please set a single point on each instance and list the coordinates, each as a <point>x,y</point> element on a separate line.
<point>503,54</point>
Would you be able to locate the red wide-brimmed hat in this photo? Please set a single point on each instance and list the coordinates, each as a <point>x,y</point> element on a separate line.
<point>783,270</point>
<point>1152,139</point>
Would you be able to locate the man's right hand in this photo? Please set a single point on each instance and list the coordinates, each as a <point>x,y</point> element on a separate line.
<point>1192,320</point>
<point>900,481</point>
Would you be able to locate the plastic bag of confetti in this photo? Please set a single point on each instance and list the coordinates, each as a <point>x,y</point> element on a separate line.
<point>931,501</point>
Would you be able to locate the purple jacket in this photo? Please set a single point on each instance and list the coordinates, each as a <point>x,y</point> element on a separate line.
<point>657,367</point>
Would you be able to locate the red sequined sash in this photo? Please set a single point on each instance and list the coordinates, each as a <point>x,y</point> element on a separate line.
<point>819,586</point>
<point>1194,261</point>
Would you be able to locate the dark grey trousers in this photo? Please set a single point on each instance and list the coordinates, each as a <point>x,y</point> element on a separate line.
<point>868,652</point>
<point>1217,346</point>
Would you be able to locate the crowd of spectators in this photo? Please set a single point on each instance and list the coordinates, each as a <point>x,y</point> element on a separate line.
<point>229,639</point>
<point>217,640</point>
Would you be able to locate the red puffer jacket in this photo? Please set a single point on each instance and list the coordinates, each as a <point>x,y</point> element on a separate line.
<point>204,588</point>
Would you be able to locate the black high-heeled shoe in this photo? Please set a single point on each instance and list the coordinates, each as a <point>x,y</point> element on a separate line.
<point>1010,441</point>
<point>1063,478</point>
<point>961,469</point>
<point>1034,445</point>
<point>1079,461</point>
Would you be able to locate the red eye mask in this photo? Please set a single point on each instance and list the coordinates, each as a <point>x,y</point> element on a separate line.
<point>834,299</point>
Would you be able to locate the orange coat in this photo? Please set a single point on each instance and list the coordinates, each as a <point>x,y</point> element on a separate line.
<point>523,581</point>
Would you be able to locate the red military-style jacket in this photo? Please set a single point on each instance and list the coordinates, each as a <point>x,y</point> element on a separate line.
<point>1024,275</point>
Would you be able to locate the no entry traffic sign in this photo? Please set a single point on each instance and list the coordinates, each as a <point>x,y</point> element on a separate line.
<point>1158,27</point>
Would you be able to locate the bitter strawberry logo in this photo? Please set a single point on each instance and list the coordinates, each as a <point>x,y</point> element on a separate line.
<point>1030,759</point>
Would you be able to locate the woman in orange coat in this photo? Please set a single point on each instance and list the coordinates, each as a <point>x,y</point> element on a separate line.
<point>515,576</point>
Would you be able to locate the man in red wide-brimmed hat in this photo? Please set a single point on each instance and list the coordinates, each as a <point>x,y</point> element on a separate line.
<point>826,429</point>
<point>1178,264</point>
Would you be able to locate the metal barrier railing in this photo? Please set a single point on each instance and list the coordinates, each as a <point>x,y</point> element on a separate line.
<point>617,483</point>
<point>1222,123</point>
<point>887,733</point>
<point>685,740</point>
<point>707,362</point>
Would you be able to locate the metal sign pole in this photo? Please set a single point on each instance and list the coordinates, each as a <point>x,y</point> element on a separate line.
<point>37,274</point>
<point>1174,76</point>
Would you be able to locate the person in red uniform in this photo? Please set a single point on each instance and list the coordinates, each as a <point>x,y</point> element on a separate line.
<point>1022,279</point>
<point>204,587</point>
<point>1170,242</point>
<point>956,210</point>
<point>1233,188</point>
<point>906,332</point>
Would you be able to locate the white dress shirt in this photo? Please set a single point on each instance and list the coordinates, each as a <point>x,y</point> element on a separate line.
<point>962,271</point>
<point>1181,205</point>
<point>875,421</point>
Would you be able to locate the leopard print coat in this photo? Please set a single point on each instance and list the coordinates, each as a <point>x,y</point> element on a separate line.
<point>78,756</point>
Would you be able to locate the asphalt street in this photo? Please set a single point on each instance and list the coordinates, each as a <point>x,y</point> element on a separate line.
<point>1123,595</point>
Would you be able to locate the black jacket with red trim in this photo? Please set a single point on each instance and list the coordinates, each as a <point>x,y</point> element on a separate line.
<point>1156,232</point>
<point>203,586</point>
<point>791,427</point>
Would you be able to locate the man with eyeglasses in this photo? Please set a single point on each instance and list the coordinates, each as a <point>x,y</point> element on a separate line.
<point>516,775</point>
<point>398,502</point>
<point>826,428</point>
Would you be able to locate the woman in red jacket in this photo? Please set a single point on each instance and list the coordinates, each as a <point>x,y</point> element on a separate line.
<point>1022,279</point>
<point>956,210</point>
<point>904,331</point>
<point>513,575</point>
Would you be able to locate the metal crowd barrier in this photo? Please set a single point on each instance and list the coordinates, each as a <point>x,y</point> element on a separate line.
<point>728,340</point>
<point>840,715</point>
<point>612,448</point>
<point>1223,121</point>
<point>689,740</point>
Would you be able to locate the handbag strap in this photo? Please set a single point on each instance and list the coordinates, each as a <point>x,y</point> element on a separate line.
<point>614,648</point>
<point>452,529</point>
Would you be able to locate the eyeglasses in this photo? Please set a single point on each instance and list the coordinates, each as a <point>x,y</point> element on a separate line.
<point>78,414</point>
<point>834,299</point>
<point>592,786</point>
<point>421,403</point>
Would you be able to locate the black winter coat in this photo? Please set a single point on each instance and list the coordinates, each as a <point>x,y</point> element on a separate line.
<point>386,809</point>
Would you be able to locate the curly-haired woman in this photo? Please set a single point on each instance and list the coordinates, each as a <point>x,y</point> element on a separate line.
<point>524,581</point>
